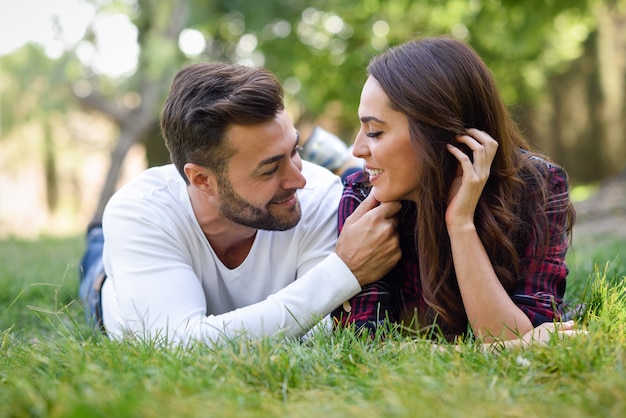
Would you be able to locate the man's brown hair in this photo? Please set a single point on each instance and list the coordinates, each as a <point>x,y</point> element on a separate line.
<point>205,99</point>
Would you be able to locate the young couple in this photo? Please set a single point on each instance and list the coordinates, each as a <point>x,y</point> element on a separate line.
<point>454,226</point>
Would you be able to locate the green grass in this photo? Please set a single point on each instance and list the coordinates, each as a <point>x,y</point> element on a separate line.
<point>51,365</point>
<point>36,278</point>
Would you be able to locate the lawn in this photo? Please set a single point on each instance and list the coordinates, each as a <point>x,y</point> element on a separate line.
<point>51,365</point>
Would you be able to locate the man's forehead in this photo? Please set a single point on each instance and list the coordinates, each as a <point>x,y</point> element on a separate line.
<point>262,143</point>
<point>266,132</point>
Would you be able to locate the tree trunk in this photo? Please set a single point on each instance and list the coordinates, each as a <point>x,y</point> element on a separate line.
<point>50,164</point>
<point>156,151</point>
<point>161,24</point>
<point>126,140</point>
<point>579,123</point>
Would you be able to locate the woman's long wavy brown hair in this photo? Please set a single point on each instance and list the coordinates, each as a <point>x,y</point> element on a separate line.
<point>443,87</point>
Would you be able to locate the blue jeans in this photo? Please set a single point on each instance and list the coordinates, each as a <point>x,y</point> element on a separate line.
<point>91,274</point>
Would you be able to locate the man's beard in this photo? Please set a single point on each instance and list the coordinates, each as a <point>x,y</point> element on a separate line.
<point>238,210</point>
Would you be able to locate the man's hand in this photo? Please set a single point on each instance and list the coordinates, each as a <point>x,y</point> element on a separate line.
<point>368,242</point>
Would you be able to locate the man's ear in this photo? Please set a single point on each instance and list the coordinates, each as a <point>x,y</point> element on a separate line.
<point>201,178</point>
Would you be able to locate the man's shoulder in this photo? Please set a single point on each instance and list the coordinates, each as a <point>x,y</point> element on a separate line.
<point>151,180</point>
<point>159,175</point>
<point>320,182</point>
<point>317,174</point>
<point>321,192</point>
<point>154,204</point>
<point>156,187</point>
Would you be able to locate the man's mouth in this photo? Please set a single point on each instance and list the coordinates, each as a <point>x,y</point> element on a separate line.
<point>280,200</point>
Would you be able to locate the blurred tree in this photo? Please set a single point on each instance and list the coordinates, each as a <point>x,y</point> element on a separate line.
<point>582,118</point>
<point>134,103</point>
<point>319,51</point>
<point>30,95</point>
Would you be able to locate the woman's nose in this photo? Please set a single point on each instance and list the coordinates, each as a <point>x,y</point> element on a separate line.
<point>360,148</point>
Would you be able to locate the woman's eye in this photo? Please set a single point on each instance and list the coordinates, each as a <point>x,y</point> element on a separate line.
<point>374,134</point>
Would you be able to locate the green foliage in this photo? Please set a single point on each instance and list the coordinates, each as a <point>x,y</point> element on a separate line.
<point>51,365</point>
<point>325,46</point>
<point>320,50</point>
<point>32,87</point>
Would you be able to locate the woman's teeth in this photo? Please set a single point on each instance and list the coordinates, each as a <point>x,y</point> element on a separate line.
<point>374,171</point>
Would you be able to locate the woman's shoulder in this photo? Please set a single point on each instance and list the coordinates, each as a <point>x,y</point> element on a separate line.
<point>541,165</point>
<point>356,186</point>
<point>355,190</point>
<point>549,180</point>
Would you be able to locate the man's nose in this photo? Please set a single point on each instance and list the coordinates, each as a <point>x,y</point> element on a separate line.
<point>294,178</point>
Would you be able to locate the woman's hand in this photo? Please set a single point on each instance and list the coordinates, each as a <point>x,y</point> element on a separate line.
<point>545,331</point>
<point>539,336</point>
<point>471,176</point>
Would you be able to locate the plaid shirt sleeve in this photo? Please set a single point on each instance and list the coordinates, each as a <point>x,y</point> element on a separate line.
<point>541,285</point>
<point>353,195</point>
<point>369,306</point>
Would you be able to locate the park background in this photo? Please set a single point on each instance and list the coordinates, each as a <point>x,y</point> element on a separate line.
<point>82,83</point>
<point>81,86</point>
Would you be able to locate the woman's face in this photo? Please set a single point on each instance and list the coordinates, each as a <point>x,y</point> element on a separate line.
<point>383,141</point>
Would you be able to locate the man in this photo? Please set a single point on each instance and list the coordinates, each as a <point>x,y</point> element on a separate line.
<point>238,236</point>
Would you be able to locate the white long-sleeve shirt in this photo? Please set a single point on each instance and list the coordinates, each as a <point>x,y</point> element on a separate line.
<point>165,281</point>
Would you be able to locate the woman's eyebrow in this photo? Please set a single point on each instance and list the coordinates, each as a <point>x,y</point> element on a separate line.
<point>366,119</point>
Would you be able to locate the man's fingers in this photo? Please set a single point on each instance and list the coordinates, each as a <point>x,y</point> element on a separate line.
<point>366,205</point>
<point>389,209</point>
<point>386,210</point>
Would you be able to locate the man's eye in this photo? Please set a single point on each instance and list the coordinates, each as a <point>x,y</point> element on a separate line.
<point>272,171</point>
<point>374,134</point>
<point>297,150</point>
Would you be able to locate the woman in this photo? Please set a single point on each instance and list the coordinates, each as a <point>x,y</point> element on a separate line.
<point>486,222</point>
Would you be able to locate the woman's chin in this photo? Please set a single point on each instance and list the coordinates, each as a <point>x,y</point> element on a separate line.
<point>383,197</point>
<point>380,196</point>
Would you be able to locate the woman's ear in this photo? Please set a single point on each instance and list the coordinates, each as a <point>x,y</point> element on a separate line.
<point>201,178</point>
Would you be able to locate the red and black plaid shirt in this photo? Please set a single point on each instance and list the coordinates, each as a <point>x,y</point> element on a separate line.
<point>540,285</point>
